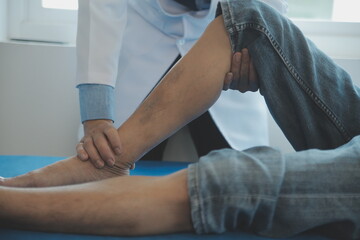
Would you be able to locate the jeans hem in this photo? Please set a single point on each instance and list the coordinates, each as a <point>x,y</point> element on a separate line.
<point>197,216</point>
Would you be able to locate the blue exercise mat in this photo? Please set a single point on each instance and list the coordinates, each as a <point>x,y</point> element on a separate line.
<point>15,165</point>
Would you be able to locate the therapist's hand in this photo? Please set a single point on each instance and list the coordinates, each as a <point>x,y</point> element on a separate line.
<point>242,75</point>
<point>100,144</point>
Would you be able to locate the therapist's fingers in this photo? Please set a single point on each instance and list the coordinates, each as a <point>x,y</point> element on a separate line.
<point>227,81</point>
<point>242,75</point>
<point>253,78</point>
<point>101,139</point>
<point>235,70</point>
<point>104,150</point>
<point>232,77</point>
<point>243,83</point>
<point>94,155</point>
<point>81,153</point>
<point>113,137</point>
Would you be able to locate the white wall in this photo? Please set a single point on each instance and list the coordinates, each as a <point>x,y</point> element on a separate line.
<point>39,108</point>
<point>3,20</point>
<point>38,100</point>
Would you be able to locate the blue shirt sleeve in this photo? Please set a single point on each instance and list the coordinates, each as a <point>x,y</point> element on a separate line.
<point>96,101</point>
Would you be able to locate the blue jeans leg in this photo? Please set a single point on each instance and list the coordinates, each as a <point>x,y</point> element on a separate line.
<point>316,105</point>
<point>313,100</point>
<point>265,192</point>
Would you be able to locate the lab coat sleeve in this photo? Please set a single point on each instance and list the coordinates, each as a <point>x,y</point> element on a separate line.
<point>101,25</point>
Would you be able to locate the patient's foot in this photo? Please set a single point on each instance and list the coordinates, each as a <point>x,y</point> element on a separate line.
<point>65,172</point>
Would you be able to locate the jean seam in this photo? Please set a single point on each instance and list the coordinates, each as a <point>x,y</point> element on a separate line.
<point>276,199</point>
<point>336,195</point>
<point>251,196</point>
<point>237,28</point>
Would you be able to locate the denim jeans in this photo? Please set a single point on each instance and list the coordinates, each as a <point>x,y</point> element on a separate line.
<point>317,106</point>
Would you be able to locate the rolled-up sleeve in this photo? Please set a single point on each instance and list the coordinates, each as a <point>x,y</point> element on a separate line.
<point>96,102</point>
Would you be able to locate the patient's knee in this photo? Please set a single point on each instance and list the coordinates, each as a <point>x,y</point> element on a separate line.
<point>254,171</point>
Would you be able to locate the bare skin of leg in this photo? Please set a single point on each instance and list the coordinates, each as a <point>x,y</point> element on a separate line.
<point>188,90</point>
<point>64,172</point>
<point>126,210</point>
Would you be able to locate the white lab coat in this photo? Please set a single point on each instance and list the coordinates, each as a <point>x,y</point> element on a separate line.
<point>130,44</point>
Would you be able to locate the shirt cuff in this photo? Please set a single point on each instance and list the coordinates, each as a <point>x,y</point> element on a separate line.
<point>96,101</point>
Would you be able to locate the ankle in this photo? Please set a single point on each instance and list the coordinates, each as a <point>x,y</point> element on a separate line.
<point>25,180</point>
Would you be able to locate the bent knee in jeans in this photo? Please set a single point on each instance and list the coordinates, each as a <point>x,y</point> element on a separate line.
<point>228,187</point>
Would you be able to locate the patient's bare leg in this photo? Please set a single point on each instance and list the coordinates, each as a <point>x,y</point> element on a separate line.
<point>65,172</point>
<point>130,205</point>
<point>189,89</point>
